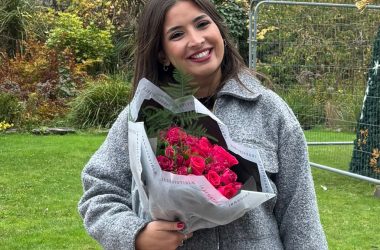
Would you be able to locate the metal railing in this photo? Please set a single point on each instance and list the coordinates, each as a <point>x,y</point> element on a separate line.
<point>254,14</point>
<point>253,20</point>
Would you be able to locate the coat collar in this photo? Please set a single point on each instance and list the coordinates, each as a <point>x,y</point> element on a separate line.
<point>251,91</point>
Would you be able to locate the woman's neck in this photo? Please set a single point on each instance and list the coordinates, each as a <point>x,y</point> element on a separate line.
<point>207,86</point>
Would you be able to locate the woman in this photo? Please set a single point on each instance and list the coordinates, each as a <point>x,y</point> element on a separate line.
<point>190,36</point>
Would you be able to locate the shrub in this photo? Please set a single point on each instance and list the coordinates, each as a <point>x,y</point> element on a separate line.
<point>333,41</point>
<point>99,104</point>
<point>86,42</point>
<point>235,15</point>
<point>9,108</point>
<point>304,105</point>
<point>342,110</point>
<point>36,64</point>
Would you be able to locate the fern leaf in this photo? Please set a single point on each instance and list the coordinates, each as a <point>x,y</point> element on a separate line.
<point>157,119</point>
<point>182,87</point>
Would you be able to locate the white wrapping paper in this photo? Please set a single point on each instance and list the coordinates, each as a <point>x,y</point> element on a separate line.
<point>190,199</point>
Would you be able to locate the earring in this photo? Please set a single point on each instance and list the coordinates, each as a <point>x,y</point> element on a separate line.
<point>224,41</point>
<point>165,67</point>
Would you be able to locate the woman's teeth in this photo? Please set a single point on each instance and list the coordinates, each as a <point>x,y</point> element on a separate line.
<point>200,55</point>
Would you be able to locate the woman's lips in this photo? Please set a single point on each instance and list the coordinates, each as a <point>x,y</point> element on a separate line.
<point>201,56</point>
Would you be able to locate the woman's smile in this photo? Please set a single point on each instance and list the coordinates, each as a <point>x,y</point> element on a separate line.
<point>192,43</point>
<point>201,56</point>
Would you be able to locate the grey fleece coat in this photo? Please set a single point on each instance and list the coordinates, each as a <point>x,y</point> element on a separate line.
<point>257,118</point>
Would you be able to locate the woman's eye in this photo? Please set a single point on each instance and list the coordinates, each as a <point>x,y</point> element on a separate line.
<point>175,35</point>
<point>203,24</point>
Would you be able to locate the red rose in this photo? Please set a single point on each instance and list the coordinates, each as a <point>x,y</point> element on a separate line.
<point>191,140</point>
<point>180,160</point>
<point>217,167</point>
<point>197,165</point>
<point>182,171</point>
<point>166,164</point>
<point>169,151</point>
<point>213,178</point>
<point>228,176</point>
<point>228,191</point>
<point>237,185</point>
<point>175,135</point>
<point>204,147</point>
<point>222,156</point>
<point>194,150</point>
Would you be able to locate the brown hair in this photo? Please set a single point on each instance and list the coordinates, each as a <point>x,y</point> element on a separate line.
<point>149,43</point>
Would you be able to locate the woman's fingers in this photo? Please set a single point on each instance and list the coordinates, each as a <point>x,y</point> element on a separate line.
<point>161,235</point>
<point>167,226</point>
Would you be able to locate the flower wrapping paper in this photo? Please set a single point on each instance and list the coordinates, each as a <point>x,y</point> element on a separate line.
<point>187,198</point>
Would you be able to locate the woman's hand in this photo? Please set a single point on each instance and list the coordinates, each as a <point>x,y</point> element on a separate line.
<point>163,235</point>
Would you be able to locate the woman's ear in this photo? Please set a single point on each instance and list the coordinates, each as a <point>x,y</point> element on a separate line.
<point>163,59</point>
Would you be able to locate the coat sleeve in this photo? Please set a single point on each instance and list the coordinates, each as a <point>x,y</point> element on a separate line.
<point>296,209</point>
<point>106,203</point>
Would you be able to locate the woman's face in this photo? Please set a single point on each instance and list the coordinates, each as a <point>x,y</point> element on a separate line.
<point>192,43</point>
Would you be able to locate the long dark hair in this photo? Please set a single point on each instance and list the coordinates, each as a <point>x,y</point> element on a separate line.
<point>149,43</point>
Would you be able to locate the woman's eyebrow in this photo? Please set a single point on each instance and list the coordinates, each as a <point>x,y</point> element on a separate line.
<point>194,21</point>
<point>199,18</point>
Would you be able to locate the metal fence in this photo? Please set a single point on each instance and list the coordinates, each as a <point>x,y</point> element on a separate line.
<point>317,56</point>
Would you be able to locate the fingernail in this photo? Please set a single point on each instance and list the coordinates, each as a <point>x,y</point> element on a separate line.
<point>180,225</point>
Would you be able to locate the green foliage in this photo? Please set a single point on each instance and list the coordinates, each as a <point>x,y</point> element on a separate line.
<point>99,104</point>
<point>41,22</point>
<point>86,42</point>
<point>159,119</point>
<point>303,104</point>
<point>37,65</point>
<point>342,108</point>
<point>14,18</point>
<point>321,56</point>
<point>305,39</point>
<point>181,88</point>
<point>235,13</point>
<point>122,16</point>
<point>9,108</point>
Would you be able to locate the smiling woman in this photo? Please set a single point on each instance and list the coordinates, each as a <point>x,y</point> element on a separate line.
<point>189,35</point>
<point>160,32</point>
<point>193,44</point>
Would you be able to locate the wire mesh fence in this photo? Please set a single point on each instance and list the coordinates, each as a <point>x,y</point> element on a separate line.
<point>318,58</point>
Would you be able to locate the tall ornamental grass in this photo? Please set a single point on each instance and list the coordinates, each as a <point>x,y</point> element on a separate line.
<point>99,104</point>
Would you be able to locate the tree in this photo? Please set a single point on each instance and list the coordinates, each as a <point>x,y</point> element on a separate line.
<point>14,15</point>
<point>366,153</point>
<point>235,14</point>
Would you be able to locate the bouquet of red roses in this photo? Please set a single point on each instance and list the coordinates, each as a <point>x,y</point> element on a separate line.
<point>178,174</point>
<point>184,154</point>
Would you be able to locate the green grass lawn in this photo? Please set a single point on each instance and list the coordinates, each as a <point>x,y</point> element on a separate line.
<point>348,209</point>
<point>40,187</point>
<point>39,190</point>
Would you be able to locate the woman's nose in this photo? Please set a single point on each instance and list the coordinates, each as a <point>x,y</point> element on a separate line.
<point>196,39</point>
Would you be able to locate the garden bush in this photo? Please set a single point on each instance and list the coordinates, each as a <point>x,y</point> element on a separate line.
<point>304,104</point>
<point>319,60</point>
<point>99,104</point>
<point>88,43</point>
<point>9,108</point>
